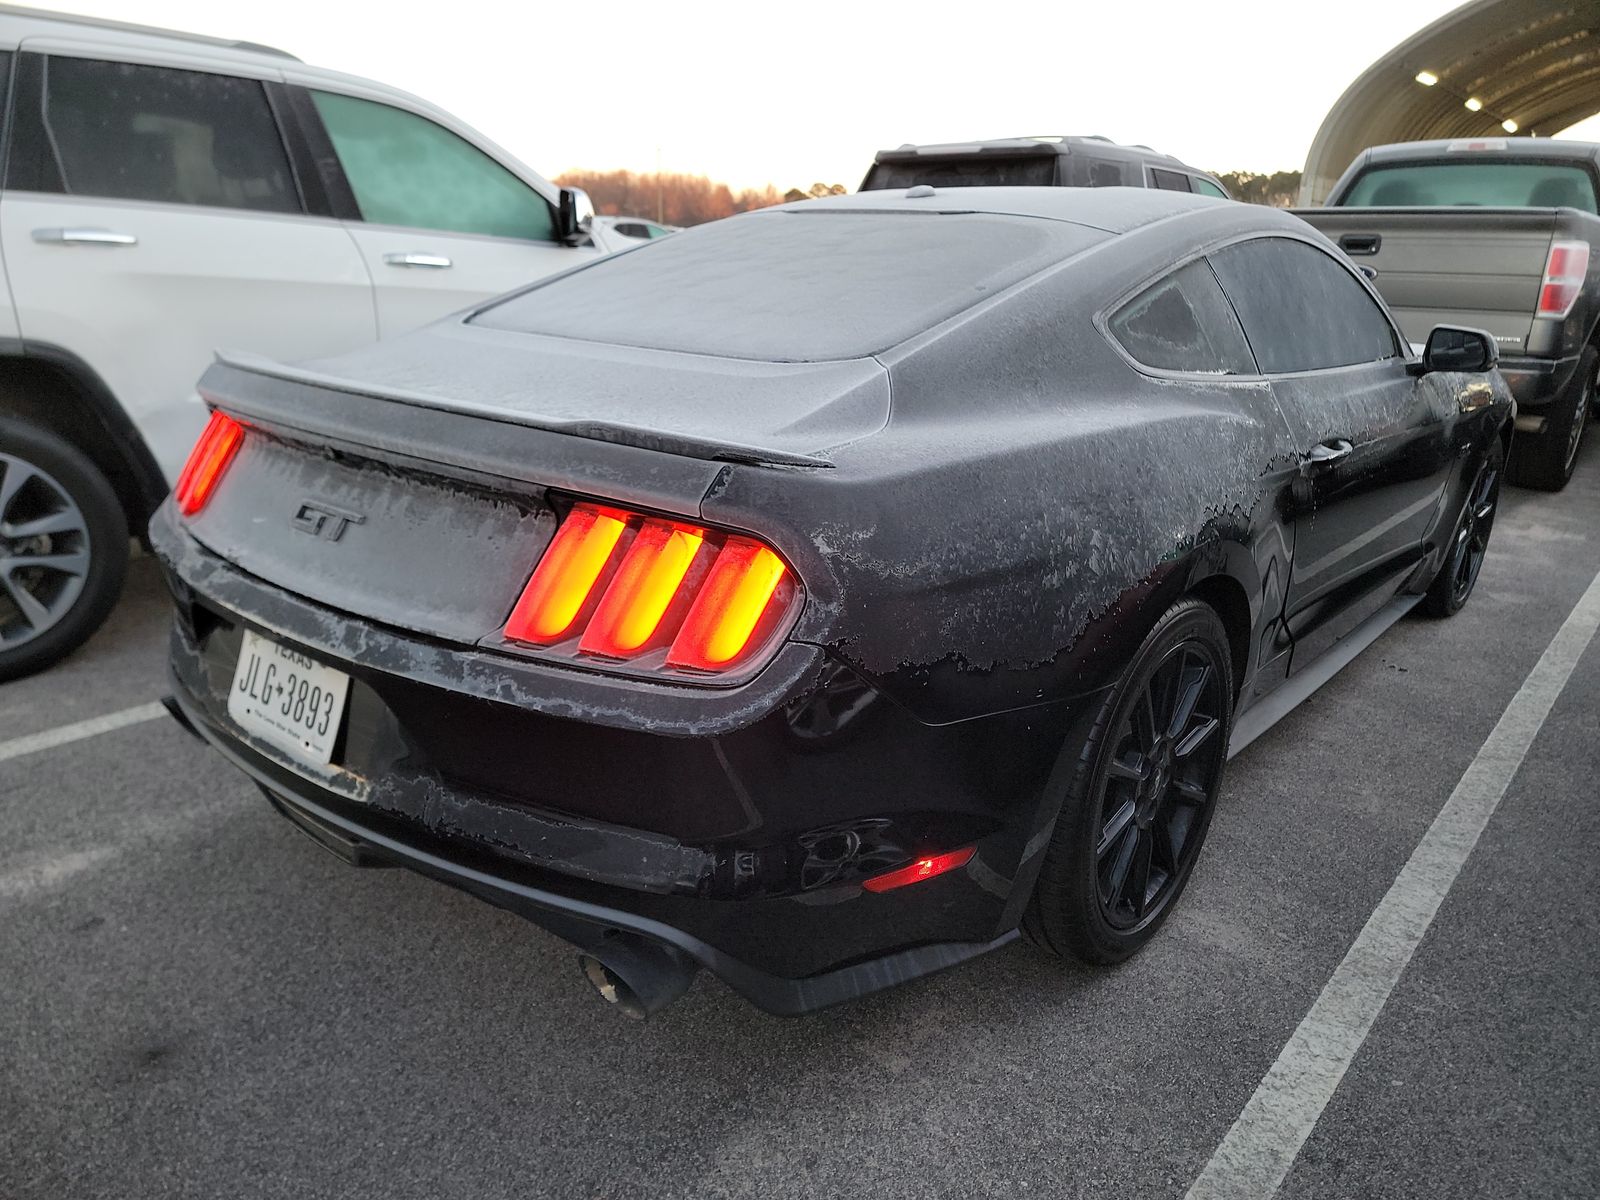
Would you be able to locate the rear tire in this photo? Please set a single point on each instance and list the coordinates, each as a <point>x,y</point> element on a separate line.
<point>63,548</point>
<point>1545,461</point>
<point>1469,540</point>
<point>1141,795</point>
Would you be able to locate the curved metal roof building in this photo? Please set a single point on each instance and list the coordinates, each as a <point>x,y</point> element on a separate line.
<point>1495,66</point>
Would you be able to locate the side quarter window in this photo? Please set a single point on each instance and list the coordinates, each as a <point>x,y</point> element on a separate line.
<point>1301,309</point>
<point>1184,323</point>
<point>407,170</point>
<point>1171,181</point>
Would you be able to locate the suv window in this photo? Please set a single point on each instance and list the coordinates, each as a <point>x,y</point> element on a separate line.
<point>982,170</point>
<point>1172,181</point>
<point>407,170</point>
<point>1206,188</point>
<point>1184,323</point>
<point>1301,309</point>
<point>132,132</point>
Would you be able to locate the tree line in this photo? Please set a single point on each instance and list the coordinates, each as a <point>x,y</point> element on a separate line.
<point>679,199</point>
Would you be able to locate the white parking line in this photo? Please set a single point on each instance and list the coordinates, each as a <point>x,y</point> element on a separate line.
<point>1257,1153</point>
<point>65,734</point>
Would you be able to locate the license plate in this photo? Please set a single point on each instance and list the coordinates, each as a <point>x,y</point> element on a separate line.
<point>281,696</point>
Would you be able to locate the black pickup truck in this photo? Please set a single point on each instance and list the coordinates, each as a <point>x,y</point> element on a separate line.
<point>1497,234</point>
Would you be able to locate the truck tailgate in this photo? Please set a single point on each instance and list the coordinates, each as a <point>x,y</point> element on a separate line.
<point>1479,267</point>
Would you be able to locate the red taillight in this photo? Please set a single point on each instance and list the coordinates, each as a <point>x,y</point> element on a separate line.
<point>218,443</point>
<point>665,594</point>
<point>1564,273</point>
<point>923,868</point>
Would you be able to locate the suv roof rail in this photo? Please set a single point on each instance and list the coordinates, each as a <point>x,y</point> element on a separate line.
<point>41,14</point>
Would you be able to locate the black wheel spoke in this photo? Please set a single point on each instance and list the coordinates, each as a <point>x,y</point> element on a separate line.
<point>1122,768</point>
<point>1193,686</point>
<point>1116,825</point>
<point>1186,791</point>
<point>1144,719</point>
<point>1164,850</point>
<point>1139,875</point>
<point>1117,877</point>
<point>1196,737</point>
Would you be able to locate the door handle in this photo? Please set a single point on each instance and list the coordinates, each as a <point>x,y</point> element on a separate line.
<point>83,237</point>
<point>437,262</point>
<point>1326,454</point>
<point>1361,243</point>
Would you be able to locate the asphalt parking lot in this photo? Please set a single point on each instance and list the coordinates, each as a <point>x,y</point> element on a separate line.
<point>199,1002</point>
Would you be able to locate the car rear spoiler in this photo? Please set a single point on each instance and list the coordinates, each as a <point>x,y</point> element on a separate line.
<point>240,401</point>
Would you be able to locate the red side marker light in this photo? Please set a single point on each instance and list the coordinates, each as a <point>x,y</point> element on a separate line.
<point>212,453</point>
<point>923,868</point>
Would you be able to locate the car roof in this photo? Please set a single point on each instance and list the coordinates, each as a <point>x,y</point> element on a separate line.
<point>1113,210</point>
<point>1038,144</point>
<point>20,22</point>
<point>1487,146</point>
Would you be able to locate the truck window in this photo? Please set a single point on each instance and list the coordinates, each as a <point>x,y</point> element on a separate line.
<point>129,132</point>
<point>1488,184</point>
<point>1302,310</point>
<point>1184,323</point>
<point>406,170</point>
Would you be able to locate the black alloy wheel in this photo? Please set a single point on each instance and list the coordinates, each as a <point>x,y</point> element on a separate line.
<point>1157,784</point>
<point>63,548</point>
<point>1469,543</point>
<point>1142,795</point>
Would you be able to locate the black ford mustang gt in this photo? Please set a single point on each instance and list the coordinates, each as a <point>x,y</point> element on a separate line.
<point>827,595</point>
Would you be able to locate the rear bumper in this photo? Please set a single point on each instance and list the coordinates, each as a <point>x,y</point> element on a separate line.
<point>744,848</point>
<point>1535,383</point>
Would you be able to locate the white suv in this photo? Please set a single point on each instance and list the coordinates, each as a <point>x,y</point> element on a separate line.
<point>166,195</point>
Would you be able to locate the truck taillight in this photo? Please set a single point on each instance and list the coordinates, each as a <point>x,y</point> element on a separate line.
<point>1564,273</point>
<point>617,586</point>
<point>218,443</point>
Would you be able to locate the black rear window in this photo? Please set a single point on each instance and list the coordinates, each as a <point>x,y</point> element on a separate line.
<point>793,286</point>
<point>1036,170</point>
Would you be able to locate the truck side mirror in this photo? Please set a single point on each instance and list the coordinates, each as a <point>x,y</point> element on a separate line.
<point>1451,348</point>
<point>574,216</point>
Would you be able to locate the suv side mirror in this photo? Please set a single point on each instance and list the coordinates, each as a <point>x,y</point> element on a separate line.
<point>1451,348</point>
<point>574,216</point>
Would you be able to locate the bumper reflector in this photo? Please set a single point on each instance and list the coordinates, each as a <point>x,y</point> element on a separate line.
<point>212,453</point>
<point>923,868</point>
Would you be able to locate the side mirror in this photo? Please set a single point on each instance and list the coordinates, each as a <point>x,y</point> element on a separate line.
<point>574,216</point>
<point>1451,348</point>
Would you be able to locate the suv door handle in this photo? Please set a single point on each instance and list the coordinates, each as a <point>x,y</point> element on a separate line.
<point>1325,454</point>
<point>437,262</point>
<point>1361,243</point>
<point>84,237</point>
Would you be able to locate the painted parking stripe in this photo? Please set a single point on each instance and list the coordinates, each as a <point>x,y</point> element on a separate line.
<point>1257,1153</point>
<point>64,735</point>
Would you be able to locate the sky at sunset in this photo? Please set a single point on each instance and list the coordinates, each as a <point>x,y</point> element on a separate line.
<point>805,92</point>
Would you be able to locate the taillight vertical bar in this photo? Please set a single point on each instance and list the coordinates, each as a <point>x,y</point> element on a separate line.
<point>566,575</point>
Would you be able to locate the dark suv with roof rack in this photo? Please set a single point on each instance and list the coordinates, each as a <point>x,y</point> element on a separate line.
<point>1037,162</point>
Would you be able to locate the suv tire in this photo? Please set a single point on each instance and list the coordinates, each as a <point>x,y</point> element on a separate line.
<point>63,548</point>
